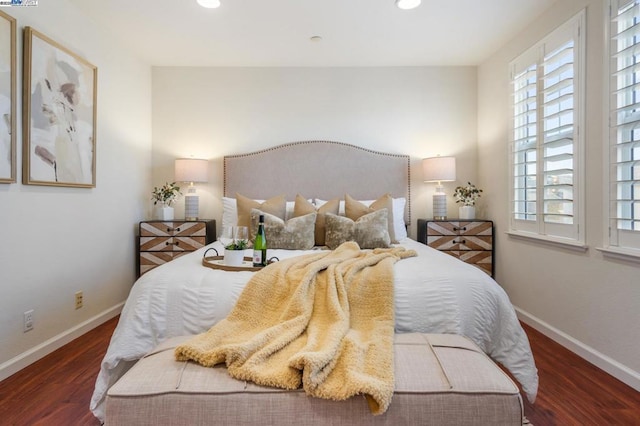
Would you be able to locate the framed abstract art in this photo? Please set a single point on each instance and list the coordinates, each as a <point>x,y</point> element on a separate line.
<point>7,98</point>
<point>59,115</point>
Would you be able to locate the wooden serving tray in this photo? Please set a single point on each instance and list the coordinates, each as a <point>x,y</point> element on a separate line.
<point>217,262</point>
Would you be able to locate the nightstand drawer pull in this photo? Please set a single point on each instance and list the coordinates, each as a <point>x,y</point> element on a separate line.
<point>177,243</point>
<point>460,242</point>
<point>455,228</point>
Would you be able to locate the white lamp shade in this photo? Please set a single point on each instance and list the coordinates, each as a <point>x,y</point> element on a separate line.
<point>439,169</point>
<point>191,170</point>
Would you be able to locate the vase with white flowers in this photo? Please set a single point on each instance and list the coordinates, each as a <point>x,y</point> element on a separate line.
<point>163,197</point>
<point>467,195</point>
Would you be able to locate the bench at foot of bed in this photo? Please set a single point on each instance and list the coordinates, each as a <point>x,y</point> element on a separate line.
<point>441,379</point>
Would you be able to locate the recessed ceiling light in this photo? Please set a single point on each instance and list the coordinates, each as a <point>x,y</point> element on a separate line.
<point>315,38</point>
<point>408,4</point>
<point>210,4</point>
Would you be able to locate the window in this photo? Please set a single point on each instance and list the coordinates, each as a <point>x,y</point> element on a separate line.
<point>624,126</point>
<point>546,171</point>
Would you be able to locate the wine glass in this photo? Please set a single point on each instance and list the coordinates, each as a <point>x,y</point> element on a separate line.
<point>241,234</point>
<point>226,236</point>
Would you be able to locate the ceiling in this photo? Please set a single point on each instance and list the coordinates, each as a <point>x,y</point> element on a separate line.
<point>278,32</point>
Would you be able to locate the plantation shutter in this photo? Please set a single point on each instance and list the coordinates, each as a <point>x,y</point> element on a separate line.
<point>524,146</point>
<point>624,154</point>
<point>545,138</point>
<point>558,134</point>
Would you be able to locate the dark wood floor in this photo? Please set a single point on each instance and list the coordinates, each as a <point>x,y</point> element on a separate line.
<point>56,390</point>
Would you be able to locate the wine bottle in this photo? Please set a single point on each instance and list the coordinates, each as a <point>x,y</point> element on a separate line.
<point>260,245</point>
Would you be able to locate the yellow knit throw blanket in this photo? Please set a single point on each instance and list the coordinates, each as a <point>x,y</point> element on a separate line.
<point>324,321</point>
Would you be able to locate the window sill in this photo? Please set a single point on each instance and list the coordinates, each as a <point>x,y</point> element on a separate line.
<point>629,255</point>
<point>556,242</point>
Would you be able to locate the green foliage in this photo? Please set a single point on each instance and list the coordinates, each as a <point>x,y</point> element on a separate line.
<point>166,194</point>
<point>237,245</point>
<point>467,195</point>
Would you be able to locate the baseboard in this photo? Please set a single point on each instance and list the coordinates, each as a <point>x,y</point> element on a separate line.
<point>27,358</point>
<point>611,366</point>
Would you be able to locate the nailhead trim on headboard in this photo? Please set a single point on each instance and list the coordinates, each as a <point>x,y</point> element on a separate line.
<point>274,168</point>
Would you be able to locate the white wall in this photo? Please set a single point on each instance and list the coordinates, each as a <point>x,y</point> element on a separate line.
<point>212,112</point>
<point>587,302</point>
<point>55,241</point>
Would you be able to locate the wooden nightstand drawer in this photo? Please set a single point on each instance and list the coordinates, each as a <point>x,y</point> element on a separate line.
<point>462,242</point>
<point>482,259</point>
<point>171,243</point>
<point>437,228</point>
<point>162,241</point>
<point>172,229</point>
<point>470,241</point>
<point>149,260</point>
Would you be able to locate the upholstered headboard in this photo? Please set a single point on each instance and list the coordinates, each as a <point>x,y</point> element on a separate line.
<point>318,169</point>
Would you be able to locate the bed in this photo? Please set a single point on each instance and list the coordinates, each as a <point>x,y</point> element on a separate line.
<point>434,292</point>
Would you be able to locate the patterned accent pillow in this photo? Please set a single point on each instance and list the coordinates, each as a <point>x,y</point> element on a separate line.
<point>354,209</point>
<point>297,233</point>
<point>276,206</point>
<point>369,231</point>
<point>303,207</point>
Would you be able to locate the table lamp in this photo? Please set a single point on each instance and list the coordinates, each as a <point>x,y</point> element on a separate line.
<point>439,169</point>
<point>191,170</point>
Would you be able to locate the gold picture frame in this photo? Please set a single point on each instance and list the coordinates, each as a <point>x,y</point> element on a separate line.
<point>59,115</point>
<point>7,99</point>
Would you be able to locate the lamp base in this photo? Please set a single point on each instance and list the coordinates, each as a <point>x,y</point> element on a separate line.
<point>439,206</point>
<point>191,202</point>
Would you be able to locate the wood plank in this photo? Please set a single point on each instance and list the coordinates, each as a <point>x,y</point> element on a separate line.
<point>57,389</point>
<point>575,392</point>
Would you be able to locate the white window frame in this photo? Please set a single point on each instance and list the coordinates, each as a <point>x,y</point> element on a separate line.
<point>619,242</point>
<point>572,234</point>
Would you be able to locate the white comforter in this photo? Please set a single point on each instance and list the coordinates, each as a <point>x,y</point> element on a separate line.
<point>434,293</point>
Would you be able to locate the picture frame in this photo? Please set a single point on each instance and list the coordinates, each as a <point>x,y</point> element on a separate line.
<point>7,98</point>
<point>59,115</point>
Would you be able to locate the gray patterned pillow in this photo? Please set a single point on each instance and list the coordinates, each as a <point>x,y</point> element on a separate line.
<point>297,233</point>
<point>369,231</point>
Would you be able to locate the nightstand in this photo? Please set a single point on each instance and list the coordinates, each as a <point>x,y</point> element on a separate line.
<point>468,240</point>
<point>162,241</point>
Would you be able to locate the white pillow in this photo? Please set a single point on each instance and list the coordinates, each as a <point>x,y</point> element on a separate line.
<point>290,207</point>
<point>399,227</point>
<point>399,204</point>
<point>230,211</point>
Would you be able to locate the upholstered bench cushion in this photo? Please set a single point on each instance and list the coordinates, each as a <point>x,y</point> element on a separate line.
<point>441,380</point>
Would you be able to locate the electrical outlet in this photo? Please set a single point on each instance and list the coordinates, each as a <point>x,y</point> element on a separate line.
<point>78,299</point>
<point>28,320</point>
